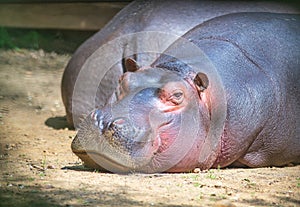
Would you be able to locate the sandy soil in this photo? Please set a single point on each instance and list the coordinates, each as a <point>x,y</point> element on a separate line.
<point>39,169</point>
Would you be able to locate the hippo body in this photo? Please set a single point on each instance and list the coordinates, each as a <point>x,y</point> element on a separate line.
<point>189,118</point>
<point>260,73</point>
<point>161,16</point>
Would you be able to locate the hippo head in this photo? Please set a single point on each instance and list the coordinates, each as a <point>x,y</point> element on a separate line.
<point>152,122</point>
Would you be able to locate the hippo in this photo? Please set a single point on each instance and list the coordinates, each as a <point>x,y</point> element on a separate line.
<point>145,15</point>
<point>227,93</point>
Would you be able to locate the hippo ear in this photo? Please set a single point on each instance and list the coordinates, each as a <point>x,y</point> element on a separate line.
<point>201,81</point>
<point>131,65</point>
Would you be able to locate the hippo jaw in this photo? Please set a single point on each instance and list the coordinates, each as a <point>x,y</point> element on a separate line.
<point>140,129</point>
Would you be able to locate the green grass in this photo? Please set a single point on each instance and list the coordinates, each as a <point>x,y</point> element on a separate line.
<point>5,39</point>
<point>211,175</point>
<point>44,161</point>
<point>13,39</point>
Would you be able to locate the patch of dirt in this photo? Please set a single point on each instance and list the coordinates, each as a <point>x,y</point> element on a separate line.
<point>39,169</point>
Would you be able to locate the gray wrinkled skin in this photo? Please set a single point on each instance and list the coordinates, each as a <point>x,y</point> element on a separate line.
<point>258,62</point>
<point>147,15</point>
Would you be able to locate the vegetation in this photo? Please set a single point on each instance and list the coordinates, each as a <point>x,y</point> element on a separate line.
<point>60,41</point>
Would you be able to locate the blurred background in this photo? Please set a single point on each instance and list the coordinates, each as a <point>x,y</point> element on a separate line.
<point>53,25</point>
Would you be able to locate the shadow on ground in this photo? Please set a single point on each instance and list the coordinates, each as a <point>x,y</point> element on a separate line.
<point>39,196</point>
<point>58,122</point>
<point>261,202</point>
<point>19,195</point>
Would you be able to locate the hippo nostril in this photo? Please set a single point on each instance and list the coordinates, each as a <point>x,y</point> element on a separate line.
<point>119,124</point>
<point>119,134</point>
<point>96,114</point>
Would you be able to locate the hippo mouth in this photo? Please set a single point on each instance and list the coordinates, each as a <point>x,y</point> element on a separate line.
<point>91,159</point>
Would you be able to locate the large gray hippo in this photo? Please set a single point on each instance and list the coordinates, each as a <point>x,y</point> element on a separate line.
<point>172,16</point>
<point>226,93</point>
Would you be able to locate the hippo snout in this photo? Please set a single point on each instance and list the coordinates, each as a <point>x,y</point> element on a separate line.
<point>98,117</point>
<point>121,130</point>
<point>121,127</point>
<point>122,133</point>
<point>114,143</point>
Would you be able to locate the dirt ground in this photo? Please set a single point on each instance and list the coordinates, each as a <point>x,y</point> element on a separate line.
<point>39,169</point>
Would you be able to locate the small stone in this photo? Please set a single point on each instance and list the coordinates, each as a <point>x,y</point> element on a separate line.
<point>20,186</point>
<point>197,170</point>
<point>51,167</point>
<point>38,167</point>
<point>49,186</point>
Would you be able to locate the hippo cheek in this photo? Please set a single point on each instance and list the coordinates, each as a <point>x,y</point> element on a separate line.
<point>167,135</point>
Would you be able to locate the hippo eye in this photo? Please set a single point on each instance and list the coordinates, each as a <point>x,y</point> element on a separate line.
<point>176,97</point>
